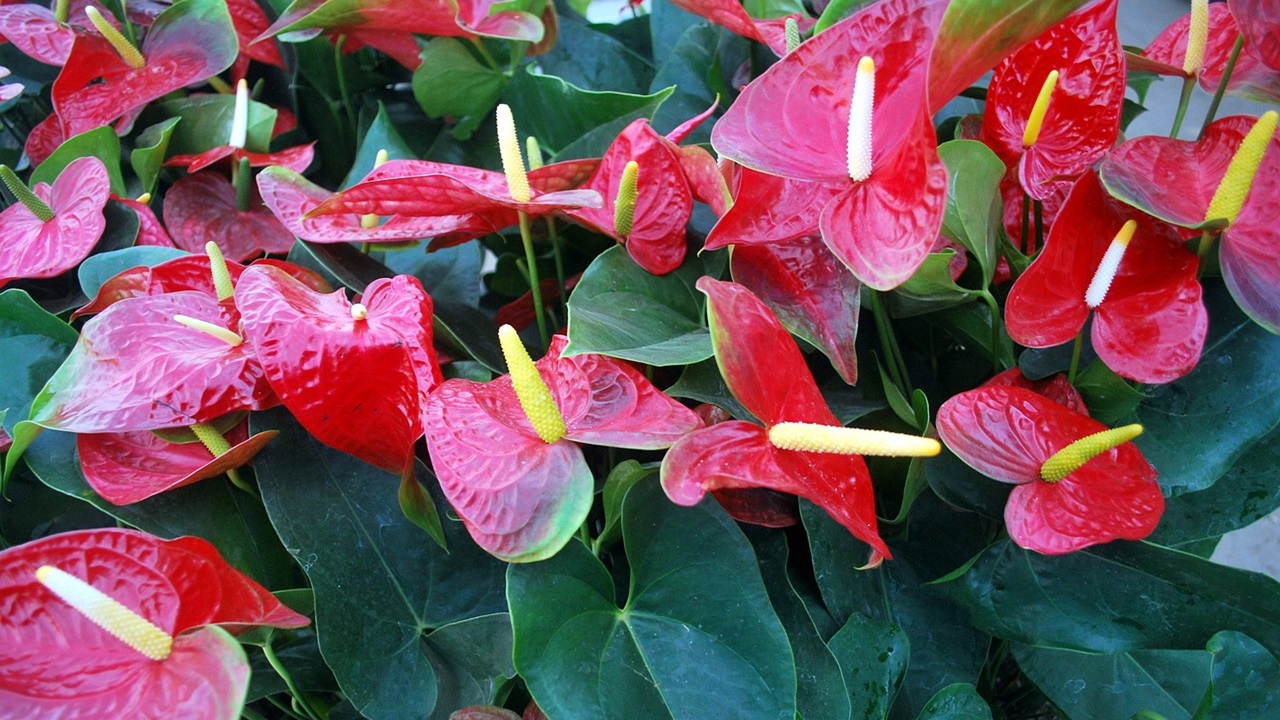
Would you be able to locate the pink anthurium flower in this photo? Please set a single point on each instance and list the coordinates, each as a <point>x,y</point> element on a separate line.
<point>150,230</point>
<point>1173,53</point>
<point>355,375</point>
<point>766,372</point>
<point>1078,483</point>
<point>1259,22</point>
<point>125,468</point>
<point>250,22</point>
<point>1131,271</point>
<point>53,228</point>
<point>849,107</point>
<point>1227,182</point>
<point>202,208</point>
<point>35,31</point>
<point>731,14</point>
<point>1056,387</point>
<point>118,623</point>
<point>506,452</point>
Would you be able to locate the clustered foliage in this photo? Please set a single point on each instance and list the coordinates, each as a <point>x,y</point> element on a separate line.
<point>377,358</point>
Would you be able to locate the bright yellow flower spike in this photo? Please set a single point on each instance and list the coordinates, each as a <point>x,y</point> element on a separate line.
<point>221,275</point>
<point>1197,37</point>
<point>129,627</point>
<point>533,393</point>
<point>1229,198</point>
<point>126,50</point>
<point>1072,457</point>
<point>624,206</point>
<point>512,162</point>
<point>211,439</point>
<point>1036,120</point>
<point>809,437</point>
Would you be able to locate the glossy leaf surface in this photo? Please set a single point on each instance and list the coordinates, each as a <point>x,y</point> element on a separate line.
<point>1169,682</point>
<point>32,248</point>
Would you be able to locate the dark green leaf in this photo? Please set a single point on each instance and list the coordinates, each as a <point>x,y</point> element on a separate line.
<point>975,210</point>
<point>101,143</point>
<point>702,382</point>
<point>873,657</point>
<point>452,82</point>
<point>1246,678</point>
<point>381,135</point>
<point>147,157</point>
<point>930,289</point>
<point>303,662</point>
<point>838,10</point>
<point>701,67</point>
<point>472,658</point>
<point>960,701</point>
<point>621,478</point>
<point>592,60</point>
<point>1108,396</point>
<point>619,309</point>
<point>696,632</point>
<point>33,344</point>
<point>206,123</point>
<point>452,272</point>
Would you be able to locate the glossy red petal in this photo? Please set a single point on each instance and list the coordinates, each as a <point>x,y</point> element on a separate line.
<point>463,18</point>
<point>1260,23</point>
<point>250,21</point>
<point>732,15</point>
<point>33,30</point>
<point>839,484</point>
<point>150,231</point>
<point>1083,119</point>
<point>760,362</point>
<point>521,498</point>
<point>44,138</point>
<point>190,272</point>
<point>793,120</point>
<point>1250,248</point>
<point>607,402</point>
<point>135,368</point>
<point>813,297</point>
<point>769,208</point>
<point>1055,387</point>
<point>1169,49</point>
<point>201,208</point>
<point>357,385</point>
<point>1174,180</point>
<point>1109,498</point>
<point>32,248</point>
<point>1004,432</point>
<point>126,468</point>
<point>882,229</point>
<point>1054,194</point>
<point>706,182</point>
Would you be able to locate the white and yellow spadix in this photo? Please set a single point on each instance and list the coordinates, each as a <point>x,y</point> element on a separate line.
<point>811,437</point>
<point>240,116</point>
<point>209,328</point>
<point>107,613</point>
<point>861,108</point>
<point>1109,265</point>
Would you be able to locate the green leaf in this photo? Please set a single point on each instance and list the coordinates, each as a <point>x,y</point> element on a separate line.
<point>452,272</point>
<point>1114,598</point>
<point>1197,427</point>
<point>147,157</point>
<point>97,269</point>
<point>570,122</point>
<point>930,289</point>
<point>975,209</point>
<point>621,478</point>
<point>101,143</point>
<point>1086,686</point>
<point>702,382</point>
<point>701,67</point>
<point>696,631</point>
<point>452,82</point>
<point>387,585</point>
<point>619,309</point>
<point>838,10</point>
<point>420,509</point>
<point>960,701</point>
<point>381,135</point>
<point>592,60</point>
<point>1108,396</point>
<point>206,123</point>
<point>873,656</point>
<point>472,659</point>
<point>1246,678</point>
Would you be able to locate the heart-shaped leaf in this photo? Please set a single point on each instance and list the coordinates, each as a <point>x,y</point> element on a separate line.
<point>1168,682</point>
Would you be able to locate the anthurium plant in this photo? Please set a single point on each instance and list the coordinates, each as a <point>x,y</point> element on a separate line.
<point>764,359</point>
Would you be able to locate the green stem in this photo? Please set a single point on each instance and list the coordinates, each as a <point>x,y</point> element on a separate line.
<point>1026,223</point>
<point>24,195</point>
<point>1222,86</point>
<point>280,669</point>
<point>1075,357</point>
<point>1202,251</point>
<point>893,356</point>
<point>1150,715</point>
<point>554,234</point>
<point>341,71</point>
<point>996,323</point>
<point>242,178</point>
<point>1188,83</point>
<point>489,59</point>
<point>128,26</point>
<point>1039,208</point>
<point>62,11</point>
<point>284,708</point>
<point>535,285</point>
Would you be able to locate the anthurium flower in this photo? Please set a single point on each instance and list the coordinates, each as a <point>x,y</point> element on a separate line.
<point>770,208</point>
<point>51,229</point>
<point>355,375</point>
<point>150,230</point>
<point>188,43</point>
<point>295,158</point>
<point>1259,22</point>
<point>367,19</point>
<point>1251,77</point>
<point>801,449</point>
<point>201,208</point>
<point>125,468</point>
<point>1055,387</point>
<point>37,32</point>
<point>118,623</point>
<point>731,14</point>
<point>506,451</point>
<point>250,22</point>
<point>1229,178</point>
<point>1131,271</point>
<point>849,107</point>
<point>1078,483</point>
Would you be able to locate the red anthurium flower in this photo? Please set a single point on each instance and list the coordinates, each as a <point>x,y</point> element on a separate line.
<point>126,468</point>
<point>366,20</point>
<point>754,506</point>
<point>137,368</point>
<point>1231,177</point>
<point>295,158</point>
<point>770,208</point>
<point>1056,387</point>
<point>250,21</point>
<point>1259,22</point>
<point>766,372</point>
<point>1131,270</point>
<point>201,208</point>
<point>731,14</point>
<point>1251,77</point>
<point>53,228</point>
<point>506,451</point>
<point>188,43</point>
<point>150,230</point>
<point>118,623</point>
<point>813,297</point>
<point>821,114</point>
<point>1078,484</point>
<point>35,31</point>
<point>354,375</point>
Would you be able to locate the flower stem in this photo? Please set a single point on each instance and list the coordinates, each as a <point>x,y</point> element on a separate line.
<point>489,59</point>
<point>341,72</point>
<point>535,283</point>
<point>1039,210</point>
<point>1202,251</point>
<point>996,324</point>
<point>1075,357</point>
<point>1188,83</point>
<point>554,234</point>
<point>62,11</point>
<point>284,674</point>
<point>1222,86</point>
<point>893,355</point>
<point>1026,223</point>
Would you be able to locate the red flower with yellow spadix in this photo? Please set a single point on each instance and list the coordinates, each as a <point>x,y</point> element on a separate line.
<point>506,452</point>
<point>1226,185</point>
<point>121,624</point>
<point>801,448</point>
<point>1078,482</point>
<point>848,110</point>
<point>732,15</point>
<point>1130,271</point>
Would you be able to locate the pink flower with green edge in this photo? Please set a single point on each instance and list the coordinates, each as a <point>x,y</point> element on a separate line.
<point>731,14</point>
<point>801,448</point>
<point>1078,483</point>
<point>506,452</point>
<point>118,623</point>
<point>53,228</point>
<point>1250,78</point>
<point>849,109</point>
